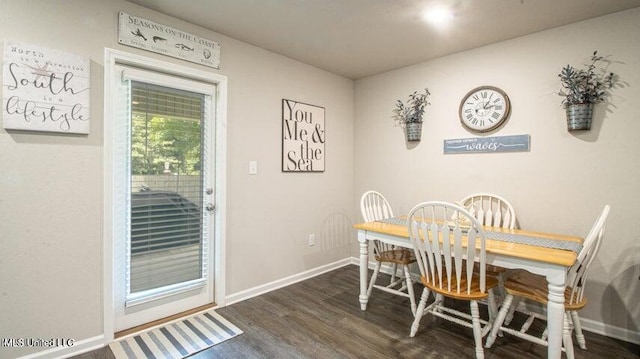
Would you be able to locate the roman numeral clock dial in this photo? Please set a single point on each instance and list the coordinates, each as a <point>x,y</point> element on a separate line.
<point>484,108</point>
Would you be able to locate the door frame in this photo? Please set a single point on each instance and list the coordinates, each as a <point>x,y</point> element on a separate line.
<point>111,58</point>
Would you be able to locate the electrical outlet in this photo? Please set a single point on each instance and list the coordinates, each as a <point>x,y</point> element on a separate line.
<point>312,240</point>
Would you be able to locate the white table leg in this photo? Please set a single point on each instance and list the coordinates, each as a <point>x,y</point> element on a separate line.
<point>555,312</point>
<point>364,268</point>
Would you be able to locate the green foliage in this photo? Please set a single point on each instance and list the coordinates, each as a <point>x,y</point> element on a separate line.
<point>156,140</point>
<point>589,85</point>
<point>413,110</point>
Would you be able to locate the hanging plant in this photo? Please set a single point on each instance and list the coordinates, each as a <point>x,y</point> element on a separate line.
<point>588,85</point>
<point>410,114</point>
<point>583,88</point>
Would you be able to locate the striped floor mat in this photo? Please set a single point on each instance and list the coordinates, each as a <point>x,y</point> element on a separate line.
<point>177,339</point>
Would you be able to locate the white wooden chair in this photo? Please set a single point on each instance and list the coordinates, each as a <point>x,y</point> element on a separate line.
<point>524,285</point>
<point>491,210</point>
<point>375,207</point>
<point>439,246</point>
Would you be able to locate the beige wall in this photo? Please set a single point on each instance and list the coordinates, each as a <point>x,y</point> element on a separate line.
<point>565,180</point>
<point>51,186</point>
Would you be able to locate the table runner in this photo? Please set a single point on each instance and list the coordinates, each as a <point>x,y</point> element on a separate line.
<point>511,237</point>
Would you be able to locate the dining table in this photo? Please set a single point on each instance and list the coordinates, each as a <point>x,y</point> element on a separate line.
<point>546,254</point>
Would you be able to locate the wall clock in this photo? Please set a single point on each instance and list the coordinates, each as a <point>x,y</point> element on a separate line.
<point>484,108</point>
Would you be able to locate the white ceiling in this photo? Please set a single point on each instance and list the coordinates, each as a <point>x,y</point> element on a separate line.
<point>358,38</point>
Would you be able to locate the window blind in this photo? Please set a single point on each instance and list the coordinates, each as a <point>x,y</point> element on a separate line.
<point>166,102</point>
<point>167,243</point>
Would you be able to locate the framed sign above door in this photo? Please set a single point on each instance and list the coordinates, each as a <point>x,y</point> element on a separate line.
<point>147,35</point>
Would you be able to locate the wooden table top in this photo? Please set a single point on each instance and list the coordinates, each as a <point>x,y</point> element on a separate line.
<point>503,248</point>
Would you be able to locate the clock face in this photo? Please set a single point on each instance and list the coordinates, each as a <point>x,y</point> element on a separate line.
<point>484,108</point>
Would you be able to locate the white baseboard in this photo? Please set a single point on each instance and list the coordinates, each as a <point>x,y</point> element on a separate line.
<point>97,342</point>
<point>610,331</point>
<point>268,287</point>
<point>590,325</point>
<point>78,347</point>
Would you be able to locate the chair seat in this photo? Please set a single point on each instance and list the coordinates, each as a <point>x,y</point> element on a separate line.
<point>474,294</point>
<point>534,287</point>
<point>400,256</point>
<point>521,284</point>
<point>495,270</point>
<point>492,270</point>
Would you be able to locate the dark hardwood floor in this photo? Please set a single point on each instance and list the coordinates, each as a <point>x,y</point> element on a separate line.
<point>321,318</point>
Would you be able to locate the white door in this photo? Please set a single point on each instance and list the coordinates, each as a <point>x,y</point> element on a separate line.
<point>163,195</point>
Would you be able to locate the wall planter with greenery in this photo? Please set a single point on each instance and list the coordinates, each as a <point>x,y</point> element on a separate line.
<point>410,115</point>
<point>582,89</point>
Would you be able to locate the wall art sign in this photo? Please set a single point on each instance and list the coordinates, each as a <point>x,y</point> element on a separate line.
<point>148,35</point>
<point>513,143</point>
<point>44,89</point>
<point>302,137</point>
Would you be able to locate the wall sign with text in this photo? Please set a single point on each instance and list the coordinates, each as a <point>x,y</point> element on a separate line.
<point>302,137</point>
<point>151,36</point>
<point>44,89</point>
<point>513,143</point>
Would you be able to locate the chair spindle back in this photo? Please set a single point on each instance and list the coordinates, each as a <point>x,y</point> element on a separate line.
<point>375,207</point>
<point>442,246</point>
<point>491,210</point>
<point>577,275</point>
